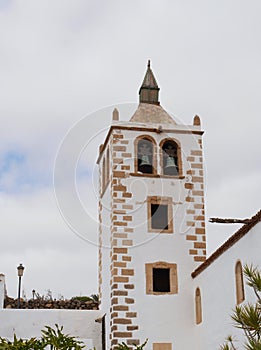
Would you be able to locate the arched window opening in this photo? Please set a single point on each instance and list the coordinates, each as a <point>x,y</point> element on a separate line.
<point>240,293</point>
<point>145,156</point>
<point>107,165</point>
<point>103,174</point>
<point>170,158</point>
<point>198,306</point>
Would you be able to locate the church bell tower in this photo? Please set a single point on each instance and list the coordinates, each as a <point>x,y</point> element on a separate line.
<point>151,224</point>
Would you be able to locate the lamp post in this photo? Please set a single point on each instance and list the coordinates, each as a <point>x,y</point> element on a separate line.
<point>20,272</point>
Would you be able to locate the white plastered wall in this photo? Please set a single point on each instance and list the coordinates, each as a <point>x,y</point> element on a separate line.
<point>106,250</point>
<point>29,323</point>
<point>218,291</point>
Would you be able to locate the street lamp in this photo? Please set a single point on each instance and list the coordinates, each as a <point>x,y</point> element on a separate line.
<point>20,272</point>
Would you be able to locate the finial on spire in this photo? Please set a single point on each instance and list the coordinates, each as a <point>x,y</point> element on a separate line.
<point>148,63</point>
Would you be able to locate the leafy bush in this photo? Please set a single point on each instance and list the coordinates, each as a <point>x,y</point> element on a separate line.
<point>54,338</point>
<point>82,298</point>
<point>21,344</point>
<point>124,346</point>
<point>57,340</point>
<point>94,298</point>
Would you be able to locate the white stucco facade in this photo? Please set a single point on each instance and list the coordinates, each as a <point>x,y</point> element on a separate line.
<point>218,290</point>
<point>133,313</point>
<point>29,323</point>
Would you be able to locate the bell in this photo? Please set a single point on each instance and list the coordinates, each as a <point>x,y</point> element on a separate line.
<point>170,162</point>
<point>145,165</point>
<point>145,160</point>
<point>170,167</point>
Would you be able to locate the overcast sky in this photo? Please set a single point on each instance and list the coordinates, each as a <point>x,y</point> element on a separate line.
<point>64,60</point>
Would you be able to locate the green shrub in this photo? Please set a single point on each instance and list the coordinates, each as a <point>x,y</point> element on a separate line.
<point>17,344</point>
<point>54,338</point>
<point>93,297</point>
<point>82,298</point>
<point>124,346</point>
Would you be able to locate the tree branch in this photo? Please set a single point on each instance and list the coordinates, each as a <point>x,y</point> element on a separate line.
<point>228,221</point>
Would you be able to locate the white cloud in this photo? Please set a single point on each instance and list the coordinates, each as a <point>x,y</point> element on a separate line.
<point>53,255</point>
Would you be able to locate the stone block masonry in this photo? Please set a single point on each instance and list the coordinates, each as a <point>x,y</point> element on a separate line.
<point>40,303</point>
<point>122,312</point>
<point>195,204</point>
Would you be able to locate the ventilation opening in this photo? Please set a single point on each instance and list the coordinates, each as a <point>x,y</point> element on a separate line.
<point>161,280</point>
<point>159,216</point>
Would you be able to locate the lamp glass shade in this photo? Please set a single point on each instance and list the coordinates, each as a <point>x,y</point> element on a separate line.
<point>20,270</point>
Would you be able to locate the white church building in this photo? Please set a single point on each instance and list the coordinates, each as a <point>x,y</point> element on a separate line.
<point>155,280</point>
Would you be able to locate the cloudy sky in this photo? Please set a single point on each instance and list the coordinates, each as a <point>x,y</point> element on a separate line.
<point>64,60</point>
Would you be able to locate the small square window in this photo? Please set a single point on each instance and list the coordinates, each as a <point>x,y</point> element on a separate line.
<point>161,282</point>
<point>160,214</point>
<point>161,278</point>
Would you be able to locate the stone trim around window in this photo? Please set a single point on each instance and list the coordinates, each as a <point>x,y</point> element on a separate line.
<point>153,225</point>
<point>178,157</point>
<point>173,277</point>
<point>153,156</point>
<point>162,346</point>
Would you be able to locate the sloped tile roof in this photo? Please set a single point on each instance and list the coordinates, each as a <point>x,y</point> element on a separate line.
<point>228,244</point>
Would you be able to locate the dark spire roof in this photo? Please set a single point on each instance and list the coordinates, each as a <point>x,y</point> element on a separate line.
<point>149,90</point>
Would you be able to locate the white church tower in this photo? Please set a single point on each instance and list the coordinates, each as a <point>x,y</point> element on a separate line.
<point>152,225</point>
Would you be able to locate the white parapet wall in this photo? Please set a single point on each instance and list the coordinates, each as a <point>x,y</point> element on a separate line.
<point>2,290</point>
<point>29,323</point>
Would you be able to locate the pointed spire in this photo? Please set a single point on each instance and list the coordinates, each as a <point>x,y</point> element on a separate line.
<point>149,90</point>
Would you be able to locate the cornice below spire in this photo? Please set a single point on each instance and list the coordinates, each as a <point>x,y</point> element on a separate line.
<point>149,90</point>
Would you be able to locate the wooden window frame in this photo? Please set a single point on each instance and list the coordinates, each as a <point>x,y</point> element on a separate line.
<point>160,201</point>
<point>173,277</point>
